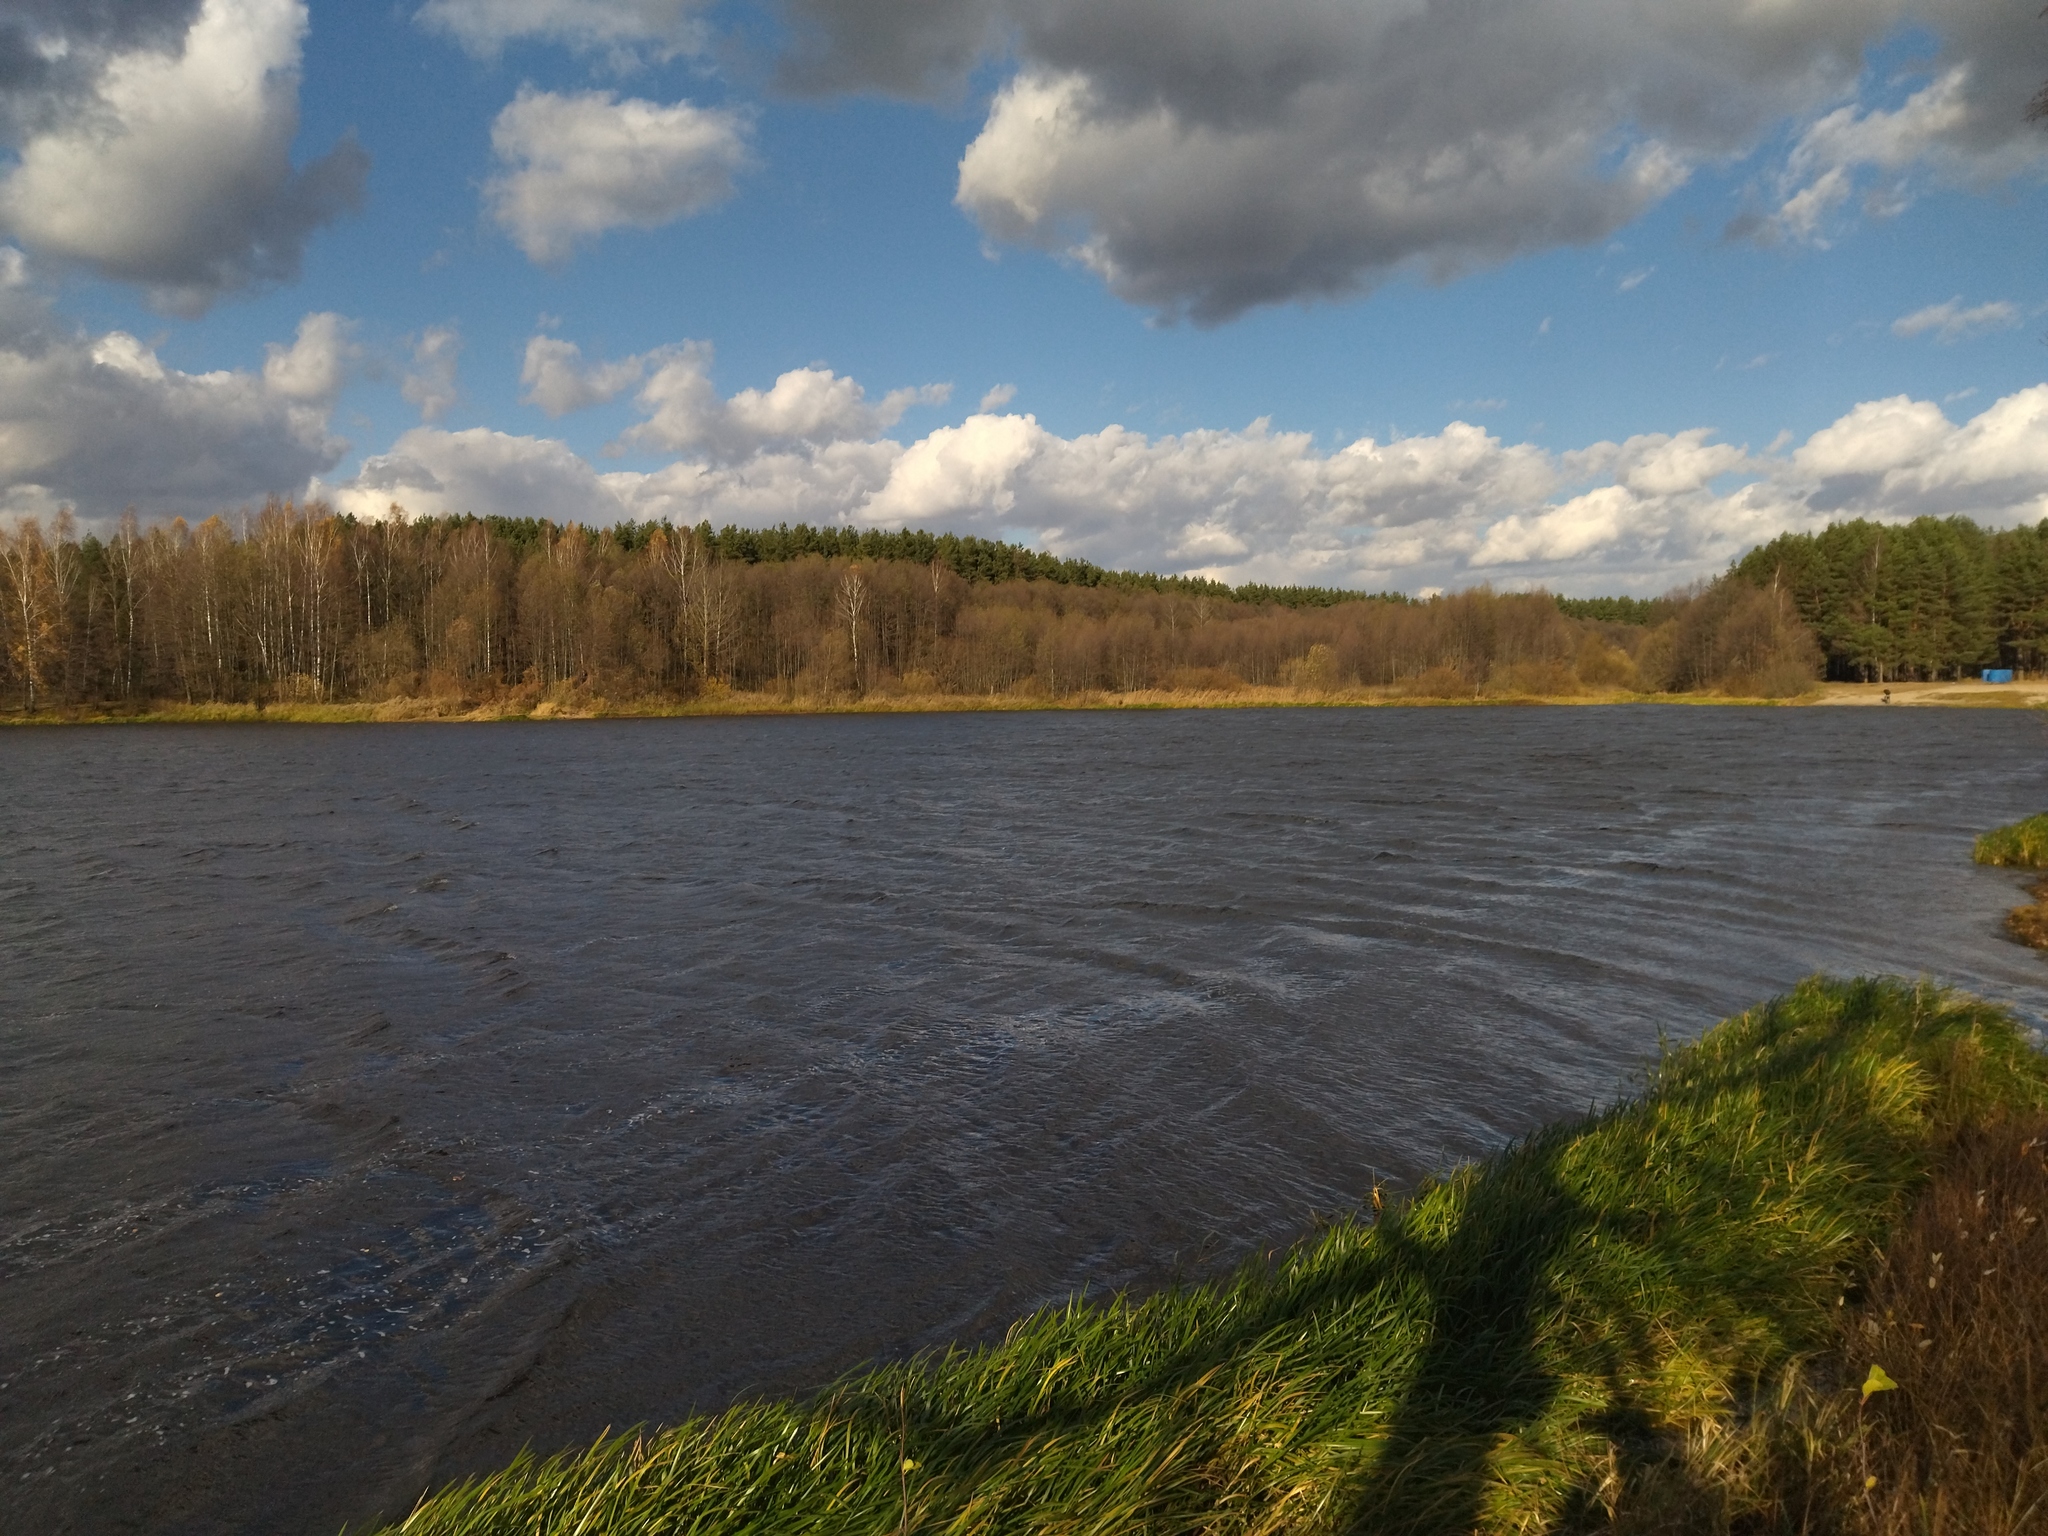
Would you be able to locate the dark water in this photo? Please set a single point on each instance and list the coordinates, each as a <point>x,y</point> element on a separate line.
<point>375,1101</point>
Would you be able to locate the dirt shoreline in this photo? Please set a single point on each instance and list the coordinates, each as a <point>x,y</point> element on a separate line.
<point>1954,695</point>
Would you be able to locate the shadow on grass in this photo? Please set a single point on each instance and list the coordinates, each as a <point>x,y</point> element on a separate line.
<point>1512,1350</point>
<point>1482,1378</point>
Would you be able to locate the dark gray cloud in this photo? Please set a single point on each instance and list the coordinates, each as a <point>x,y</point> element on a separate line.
<point>51,50</point>
<point>152,144</point>
<point>921,49</point>
<point>1205,156</point>
<point>98,423</point>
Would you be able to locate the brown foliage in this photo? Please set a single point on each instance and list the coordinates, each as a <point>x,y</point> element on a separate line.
<point>295,604</point>
<point>1737,638</point>
<point>2029,924</point>
<point>1955,1313</point>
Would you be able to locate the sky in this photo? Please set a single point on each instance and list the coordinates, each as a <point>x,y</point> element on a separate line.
<point>1590,295</point>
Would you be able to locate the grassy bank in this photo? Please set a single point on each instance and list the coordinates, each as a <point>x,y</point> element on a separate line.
<point>568,705</point>
<point>2023,845</point>
<point>575,704</point>
<point>1648,1318</point>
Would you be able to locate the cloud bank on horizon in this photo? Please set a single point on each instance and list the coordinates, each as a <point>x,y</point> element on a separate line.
<point>1443,510</point>
<point>1253,504</point>
<point>1200,160</point>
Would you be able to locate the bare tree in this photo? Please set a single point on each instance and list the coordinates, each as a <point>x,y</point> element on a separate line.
<point>32,596</point>
<point>124,571</point>
<point>853,602</point>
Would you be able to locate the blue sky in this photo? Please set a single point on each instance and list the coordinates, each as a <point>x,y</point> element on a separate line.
<point>1650,294</point>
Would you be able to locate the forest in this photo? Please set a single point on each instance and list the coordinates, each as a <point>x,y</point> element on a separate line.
<point>293,604</point>
<point>1933,598</point>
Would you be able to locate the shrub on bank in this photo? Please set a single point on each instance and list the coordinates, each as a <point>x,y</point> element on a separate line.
<point>2023,845</point>
<point>1519,1347</point>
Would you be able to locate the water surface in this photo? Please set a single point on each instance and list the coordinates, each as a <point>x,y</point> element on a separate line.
<point>375,1101</point>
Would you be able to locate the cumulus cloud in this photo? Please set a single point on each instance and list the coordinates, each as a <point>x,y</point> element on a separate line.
<point>100,422</point>
<point>575,165</point>
<point>316,364</point>
<point>430,382</point>
<point>433,472</point>
<point>998,397</point>
<point>1958,130</point>
<point>897,46</point>
<point>1443,509</point>
<point>1951,322</point>
<point>685,412</point>
<point>625,30</point>
<point>52,50</point>
<point>1203,157</point>
<point>556,378</point>
<point>163,156</point>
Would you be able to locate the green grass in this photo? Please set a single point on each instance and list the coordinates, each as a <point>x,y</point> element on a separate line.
<point>1485,1358</point>
<point>2023,845</point>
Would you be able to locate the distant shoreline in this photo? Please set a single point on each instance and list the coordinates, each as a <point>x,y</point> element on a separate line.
<point>406,710</point>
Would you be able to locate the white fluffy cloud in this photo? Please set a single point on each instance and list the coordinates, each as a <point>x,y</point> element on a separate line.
<point>1443,509</point>
<point>429,471</point>
<point>1903,458</point>
<point>575,165</point>
<point>683,411</point>
<point>1963,128</point>
<point>1204,156</point>
<point>167,162</point>
<point>804,406</point>
<point>1951,322</point>
<point>100,423</point>
<point>556,378</point>
<point>430,382</point>
<point>626,30</point>
<point>314,367</point>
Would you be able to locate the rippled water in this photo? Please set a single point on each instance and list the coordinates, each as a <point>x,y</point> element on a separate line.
<point>374,1101</point>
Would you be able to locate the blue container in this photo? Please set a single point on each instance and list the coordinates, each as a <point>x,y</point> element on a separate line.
<point>1998,674</point>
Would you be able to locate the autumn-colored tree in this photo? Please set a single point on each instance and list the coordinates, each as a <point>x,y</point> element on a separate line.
<point>293,600</point>
<point>28,564</point>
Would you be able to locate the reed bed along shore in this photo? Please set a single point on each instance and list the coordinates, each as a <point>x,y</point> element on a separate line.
<point>2023,845</point>
<point>567,703</point>
<point>1661,1316</point>
<point>570,705</point>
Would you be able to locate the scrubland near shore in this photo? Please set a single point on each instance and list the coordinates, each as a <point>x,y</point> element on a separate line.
<point>570,702</point>
<point>2023,845</point>
<point>1672,1315</point>
<point>575,704</point>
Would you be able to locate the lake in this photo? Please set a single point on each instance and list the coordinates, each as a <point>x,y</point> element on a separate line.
<point>375,1101</point>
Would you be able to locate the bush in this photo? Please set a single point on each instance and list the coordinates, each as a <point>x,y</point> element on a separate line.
<point>2023,845</point>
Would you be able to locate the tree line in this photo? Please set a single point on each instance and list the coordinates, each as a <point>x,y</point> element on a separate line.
<point>1933,598</point>
<point>296,604</point>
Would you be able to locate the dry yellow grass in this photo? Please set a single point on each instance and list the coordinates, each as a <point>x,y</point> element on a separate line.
<point>568,705</point>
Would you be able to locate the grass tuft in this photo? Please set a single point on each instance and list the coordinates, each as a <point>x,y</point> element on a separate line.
<point>1520,1347</point>
<point>1927,1414</point>
<point>2023,845</point>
